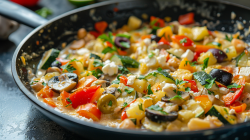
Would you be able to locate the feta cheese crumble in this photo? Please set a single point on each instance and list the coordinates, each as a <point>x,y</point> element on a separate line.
<point>223,90</point>
<point>162,60</point>
<point>217,96</point>
<point>188,54</point>
<point>131,79</point>
<point>110,68</point>
<point>168,88</point>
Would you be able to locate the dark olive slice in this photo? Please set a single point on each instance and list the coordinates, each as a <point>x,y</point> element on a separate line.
<point>222,76</point>
<point>218,54</point>
<point>160,116</point>
<point>155,38</point>
<point>122,43</point>
<point>107,103</point>
<point>64,82</point>
<point>56,64</point>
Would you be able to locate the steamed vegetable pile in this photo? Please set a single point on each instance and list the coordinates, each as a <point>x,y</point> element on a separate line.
<point>173,76</point>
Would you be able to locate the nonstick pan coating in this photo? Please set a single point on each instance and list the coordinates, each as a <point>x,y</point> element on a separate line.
<point>63,29</point>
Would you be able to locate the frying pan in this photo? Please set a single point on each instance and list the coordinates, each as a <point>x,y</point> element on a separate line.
<point>62,29</point>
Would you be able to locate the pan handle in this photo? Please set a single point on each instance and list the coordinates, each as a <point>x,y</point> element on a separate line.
<point>20,14</point>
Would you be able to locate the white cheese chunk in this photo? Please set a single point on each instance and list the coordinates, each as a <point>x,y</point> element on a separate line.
<point>169,89</point>
<point>217,96</point>
<point>188,54</point>
<point>232,111</point>
<point>156,52</point>
<point>244,71</point>
<point>110,68</point>
<point>131,79</point>
<point>223,90</point>
<point>162,60</point>
<point>147,41</point>
<point>82,51</point>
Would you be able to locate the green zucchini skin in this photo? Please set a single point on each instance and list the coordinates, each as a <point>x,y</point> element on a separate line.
<point>94,56</point>
<point>214,112</point>
<point>126,61</point>
<point>48,58</point>
<point>202,76</point>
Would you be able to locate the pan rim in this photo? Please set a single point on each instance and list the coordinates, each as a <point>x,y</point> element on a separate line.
<point>51,110</point>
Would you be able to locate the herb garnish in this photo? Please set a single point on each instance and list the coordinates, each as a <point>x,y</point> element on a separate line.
<point>151,55</point>
<point>110,103</point>
<point>70,102</point>
<point>141,77</point>
<point>205,63</point>
<point>97,63</point>
<point>177,82</point>
<point>97,73</point>
<point>234,85</point>
<point>184,40</point>
<point>187,89</point>
<point>125,44</point>
<point>69,66</point>
<point>149,90</point>
<point>140,107</point>
<point>129,90</point>
<point>155,107</point>
<point>44,84</point>
<point>228,38</point>
<point>123,69</point>
<point>125,104</point>
<point>119,90</point>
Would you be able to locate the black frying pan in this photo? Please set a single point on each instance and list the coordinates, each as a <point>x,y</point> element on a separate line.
<point>64,28</point>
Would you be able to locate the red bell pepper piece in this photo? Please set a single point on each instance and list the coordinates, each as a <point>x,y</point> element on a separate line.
<point>94,33</point>
<point>182,40</point>
<point>83,96</point>
<point>28,3</point>
<point>164,41</point>
<point>230,98</point>
<point>101,26</point>
<point>63,61</point>
<point>202,48</point>
<point>193,85</point>
<point>123,80</point>
<point>90,111</point>
<point>196,56</point>
<point>124,114</point>
<point>186,19</point>
<point>156,22</point>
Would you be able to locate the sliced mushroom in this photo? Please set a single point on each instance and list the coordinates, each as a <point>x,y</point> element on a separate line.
<point>64,82</point>
<point>77,44</point>
<point>113,91</point>
<point>160,116</point>
<point>37,86</point>
<point>176,100</point>
<point>104,83</point>
<point>163,46</point>
<point>53,69</point>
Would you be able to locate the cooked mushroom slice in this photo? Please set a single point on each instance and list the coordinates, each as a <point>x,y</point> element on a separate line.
<point>161,116</point>
<point>37,86</point>
<point>177,99</point>
<point>112,90</point>
<point>64,82</point>
<point>53,69</point>
<point>107,103</point>
<point>163,46</point>
<point>104,83</point>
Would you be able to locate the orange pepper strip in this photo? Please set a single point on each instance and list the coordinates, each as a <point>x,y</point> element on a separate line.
<point>204,101</point>
<point>50,102</point>
<point>239,107</point>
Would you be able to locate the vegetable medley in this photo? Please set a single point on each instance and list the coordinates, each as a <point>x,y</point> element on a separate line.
<point>160,76</point>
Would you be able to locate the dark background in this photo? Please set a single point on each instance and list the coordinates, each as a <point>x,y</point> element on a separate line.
<point>19,119</point>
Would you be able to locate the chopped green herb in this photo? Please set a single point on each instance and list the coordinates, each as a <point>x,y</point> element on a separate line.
<point>125,44</point>
<point>97,63</point>
<point>33,82</point>
<point>44,84</point>
<point>155,107</point>
<point>124,104</point>
<point>187,89</point>
<point>69,66</point>
<point>123,70</point>
<point>176,96</point>
<point>133,120</point>
<point>227,50</point>
<point>108,38</point>
<point>70,102</point>
<point>164,113</point>
<point>237,59</point>
<point>108,50</point>
<point>179,93</point>
<point>184,40</point>
<point>210,92</point>
<point>174,90</point>
<point>140,107</point>
<point>151,55</point>
<point>234,85</point>
<point>94,56</point>
<point>205,63</point>
<point>228,38</point>
<point>210,83</point>
<point>149,90</point>
<point>141,77</point>
<point>177,82</point>
<point>146,97</point>
<point>128,89</point>
<point>97,73</point>
<point>110,103</point>
<point>159,69</point>
<point>118,77</point>
<point>124,35</point>
<point>119,90</point>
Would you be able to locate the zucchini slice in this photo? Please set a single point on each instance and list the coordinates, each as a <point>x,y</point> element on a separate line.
<point>202,76</point>
<point>241,59</point>
<point>48,57</point>
<point>158,77</point>
<point>125,61</point>
<point>174,53</point>
<point>222,113</point>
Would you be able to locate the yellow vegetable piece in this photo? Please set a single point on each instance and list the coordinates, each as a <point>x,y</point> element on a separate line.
<point>198,124</point>
<point>199,33</point>
<point>134,23</point>
<point>186,65</point>
<point>166,31</point>
<point>158,95</point>
<point>140,85</point>
<point>231,52</point>
<point>212,60</point>
<point>185,31</point>
<point>136,110</point>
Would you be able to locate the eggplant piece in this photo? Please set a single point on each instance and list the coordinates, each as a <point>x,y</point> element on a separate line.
<point>122,43</point>
<point>64,82</point>
<point>218,54</point>
<point>160,116</point>
<point>222,76</point>
<point>155,38</point>
<point>56,64</point>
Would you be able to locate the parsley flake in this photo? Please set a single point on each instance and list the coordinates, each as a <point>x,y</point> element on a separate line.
<point>110,103</point>
<point>140,107</point>
<point>44,84</point>
<point>205,63</point>
<point>125,104</point>
<point>70,102</point>
<point>97,63</point>
<point>125,44</point>
<point>234,85</point>
<point>151,55</point>
<point>68,67</point>
<point>108,50</point>
<point>184,40</point>
<point>149,90</point>
<point>226,110</point>
<point>228,38</point>
<point>123,70</point>
<point>155,107</point>
<point>97,73</point>
<point>141,77</point>
<point>119,90</point>
<point>129,90</point>
<point>210,83</point>
<point>187,89</point>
